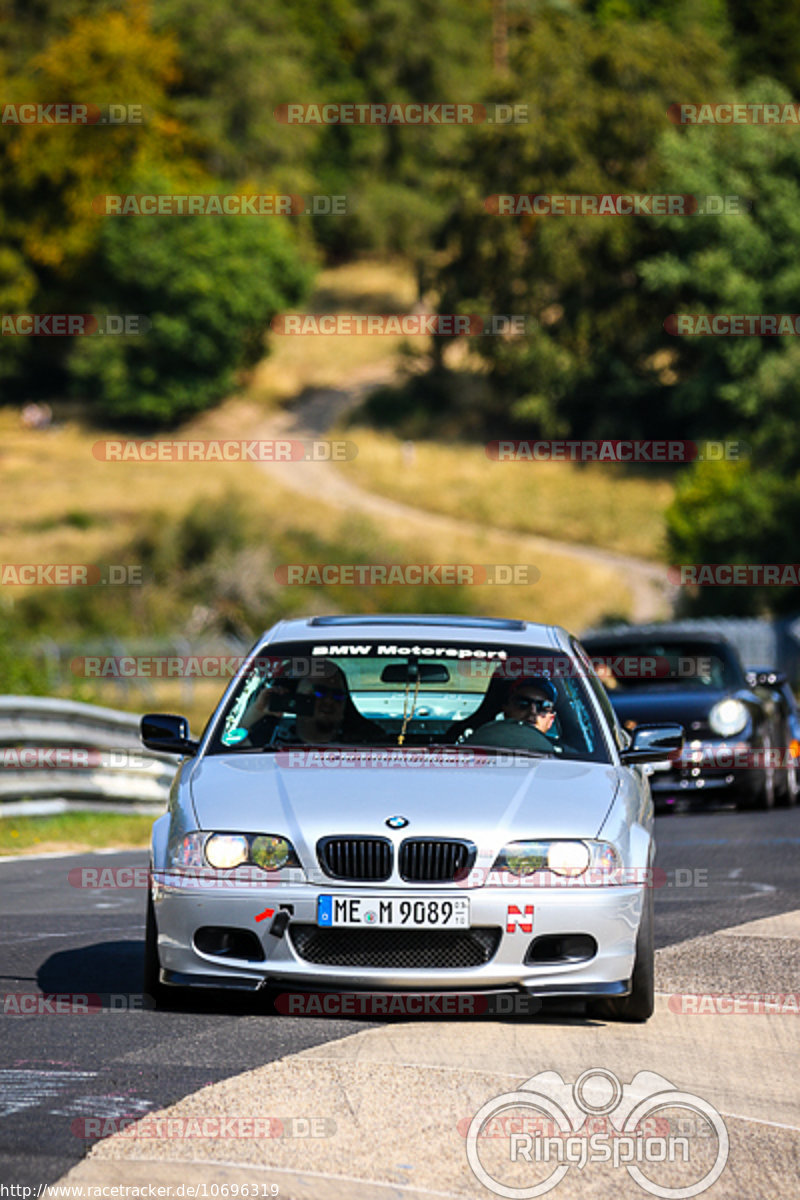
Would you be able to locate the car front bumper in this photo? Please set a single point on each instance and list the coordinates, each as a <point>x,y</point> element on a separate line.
<point>608,914</point>
<point>708,769</point>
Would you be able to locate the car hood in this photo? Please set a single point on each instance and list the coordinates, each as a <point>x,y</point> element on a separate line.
<point>488,805</point>
<point>665,704</point>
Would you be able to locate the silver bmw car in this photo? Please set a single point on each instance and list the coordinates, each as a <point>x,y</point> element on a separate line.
<point>413,805</point>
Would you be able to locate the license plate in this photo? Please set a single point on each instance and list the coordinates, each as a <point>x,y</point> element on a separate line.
<point>393,912</point>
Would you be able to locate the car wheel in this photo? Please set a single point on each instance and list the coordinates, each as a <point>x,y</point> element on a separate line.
<point>151,981</point>
<point>639,1005</point>
<point>763,798</point>
<point>791,786</point>
<point>766,795</point>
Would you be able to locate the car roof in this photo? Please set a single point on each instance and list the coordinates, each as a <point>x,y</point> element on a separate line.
<point>654,633</point>
<point>466,629</point>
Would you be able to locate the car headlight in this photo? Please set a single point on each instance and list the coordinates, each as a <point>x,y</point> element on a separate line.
<point>225,851</point>
<point>523,858</point>
<point>728,717</point>
<point>561,857</point>
<point>187,854</point>
<point>271,853</point>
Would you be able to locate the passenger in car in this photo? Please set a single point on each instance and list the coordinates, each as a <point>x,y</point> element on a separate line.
<point>316,710</point>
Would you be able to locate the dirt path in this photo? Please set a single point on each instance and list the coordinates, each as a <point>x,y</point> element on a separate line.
<point>320,409</point>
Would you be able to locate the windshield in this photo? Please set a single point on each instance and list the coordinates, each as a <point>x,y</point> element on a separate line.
<point>697,665</point>
<point>528,701</point>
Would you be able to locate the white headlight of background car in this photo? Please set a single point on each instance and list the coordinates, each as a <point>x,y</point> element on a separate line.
<point>728,717</point>
<point>570,858</point>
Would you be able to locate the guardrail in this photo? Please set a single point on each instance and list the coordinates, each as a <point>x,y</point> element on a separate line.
<point>76,752</point>
<point>58,660</point>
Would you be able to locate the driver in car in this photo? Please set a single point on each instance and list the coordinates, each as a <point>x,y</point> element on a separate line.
<point>528,716</point>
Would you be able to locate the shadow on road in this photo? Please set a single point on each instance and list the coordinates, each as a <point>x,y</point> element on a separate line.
<point>110,974</point>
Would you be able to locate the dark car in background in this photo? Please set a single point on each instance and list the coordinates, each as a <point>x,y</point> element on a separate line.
<point>777,685</point>
<point>735,732</point>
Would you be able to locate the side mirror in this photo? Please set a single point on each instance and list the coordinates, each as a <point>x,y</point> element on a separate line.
<point>653,743</point>
<point>168,733</point>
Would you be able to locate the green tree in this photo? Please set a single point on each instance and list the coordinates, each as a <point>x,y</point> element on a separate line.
<point>598,98</point>
<point>767,39</point>
<point>733,264</point>
<point>50,174</point>
<point>209,287</point>
<point>736,386</point>
<point>727,512</point>
<point>677,14</point>
<point>394,51</point>
<point>53,172</point>
<point>335,51</point>
<point>236,65</point>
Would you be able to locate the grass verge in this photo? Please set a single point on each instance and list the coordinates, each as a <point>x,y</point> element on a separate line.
<point>74,831</point>
<point>594,504</point>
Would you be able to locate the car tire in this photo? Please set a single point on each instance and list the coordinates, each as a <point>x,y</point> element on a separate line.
<point>766,793</point>
<point>640,1003</point>
<point>791,787</point>
<point>152,987</point>
<point>763,798</point>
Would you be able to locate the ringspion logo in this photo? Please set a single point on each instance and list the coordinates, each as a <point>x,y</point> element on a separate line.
<point>633,1138</point>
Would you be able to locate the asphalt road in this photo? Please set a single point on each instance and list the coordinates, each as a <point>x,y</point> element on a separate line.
<point>719,870</point>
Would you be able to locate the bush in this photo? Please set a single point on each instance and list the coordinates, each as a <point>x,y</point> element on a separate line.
<point>731,512</point>
<point>209,286</point>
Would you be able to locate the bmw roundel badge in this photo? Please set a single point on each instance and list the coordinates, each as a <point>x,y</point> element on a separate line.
<point>397,822</point>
